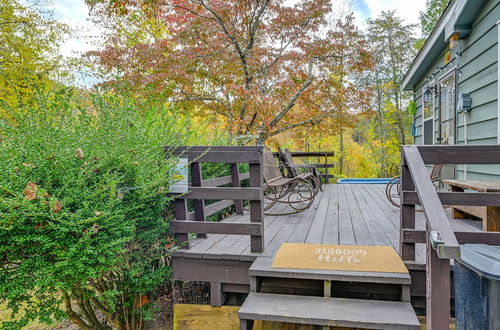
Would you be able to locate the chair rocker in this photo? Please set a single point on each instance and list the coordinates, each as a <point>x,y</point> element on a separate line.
<point>393,187</point>
<point>297,192</point>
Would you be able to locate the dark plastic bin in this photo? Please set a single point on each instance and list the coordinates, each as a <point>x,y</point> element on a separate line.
<point>477,287</point>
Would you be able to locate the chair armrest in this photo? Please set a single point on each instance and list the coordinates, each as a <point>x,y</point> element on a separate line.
<point>302,166</point>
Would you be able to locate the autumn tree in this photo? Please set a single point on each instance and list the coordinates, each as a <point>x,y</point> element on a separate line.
<point>29,40</point>
<point>263,66</point>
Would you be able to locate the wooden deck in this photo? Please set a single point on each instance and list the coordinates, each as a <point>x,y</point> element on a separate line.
<point>229,256</point>
<point>350,214</point>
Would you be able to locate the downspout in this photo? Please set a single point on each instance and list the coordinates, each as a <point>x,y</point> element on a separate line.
<point>498,82</point>
<point>466,115</point>
<point>435,113</point>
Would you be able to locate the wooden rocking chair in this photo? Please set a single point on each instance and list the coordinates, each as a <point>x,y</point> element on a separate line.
<point>293,169</point>
<point>297,192</point>
<point>393,188</point>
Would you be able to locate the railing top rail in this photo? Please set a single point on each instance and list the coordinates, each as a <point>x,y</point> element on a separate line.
<point>312,153</point>
<point>218,154</point>
<point>460,154</point>
<point>437,220</point>
<point>177,149</point>
<point>309,153</point>
<point>459,147</point>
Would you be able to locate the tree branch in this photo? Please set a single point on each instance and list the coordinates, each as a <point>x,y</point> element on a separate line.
<point>254,24</point>
<point>314,121</point>
<point>190,11</point>
<point>83,309</point>
<point>294,98</point>
<point>72,315</point>
<point>235,42</point>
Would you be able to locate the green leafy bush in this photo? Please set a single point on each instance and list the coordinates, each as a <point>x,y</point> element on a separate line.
<point>82,189</point>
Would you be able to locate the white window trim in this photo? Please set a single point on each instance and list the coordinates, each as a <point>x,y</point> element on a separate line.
<point>441,78</point>
<point>447,72</point>
<point>433,100</point>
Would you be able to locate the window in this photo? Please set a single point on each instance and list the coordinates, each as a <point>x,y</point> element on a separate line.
<point>428,115</point>
<point>428,111</point>
<point>447,108</point>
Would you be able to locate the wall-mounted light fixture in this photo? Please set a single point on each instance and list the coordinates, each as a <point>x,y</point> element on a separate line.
<point>429,92</point>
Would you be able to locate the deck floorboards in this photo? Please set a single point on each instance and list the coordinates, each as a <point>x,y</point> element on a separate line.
<point>347,214</point>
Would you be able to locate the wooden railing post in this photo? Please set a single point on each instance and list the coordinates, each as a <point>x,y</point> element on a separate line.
<point>257,206</point>
<point>199,204</point>
<point>327,179</point>
<point>235,178</point>
<point>407,216</point>
<point>437,273</point>
<point>181,213</point>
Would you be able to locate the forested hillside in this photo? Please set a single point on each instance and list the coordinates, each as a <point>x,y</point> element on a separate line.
<point>306,77</point>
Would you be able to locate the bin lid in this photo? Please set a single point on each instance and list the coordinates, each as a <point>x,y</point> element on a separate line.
<point>484,259</point>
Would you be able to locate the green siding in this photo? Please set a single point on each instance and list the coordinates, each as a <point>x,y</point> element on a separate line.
<point>438,63</point>
<point>477,74</point>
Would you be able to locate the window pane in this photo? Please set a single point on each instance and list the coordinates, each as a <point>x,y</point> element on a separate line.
<point>447,132</point>
<point>427,110</point>
<point>447,98</point>
<point>447,109</point>
<point>428,131</point>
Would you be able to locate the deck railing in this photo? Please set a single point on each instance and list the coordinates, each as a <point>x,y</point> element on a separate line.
<point>442,243</point>
<point>211,189</point>
<point>317,159</point>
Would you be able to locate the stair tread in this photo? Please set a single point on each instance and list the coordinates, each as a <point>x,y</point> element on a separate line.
<point>262,266</point>
<point>340,312</point>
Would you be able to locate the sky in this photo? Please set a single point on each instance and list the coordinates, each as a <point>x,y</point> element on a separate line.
<point>407,9</point>
<point>76,14</point>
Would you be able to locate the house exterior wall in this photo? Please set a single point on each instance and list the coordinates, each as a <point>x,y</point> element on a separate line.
<point>477,74</point>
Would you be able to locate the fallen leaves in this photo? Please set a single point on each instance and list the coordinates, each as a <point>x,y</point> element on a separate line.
<point>41,225</point>
<point>57,207</point>
<point>79,153</point>
<point>29,165</point>
<point>120,194</point>
<point>141,301</point>
<point>30,191</point>
<point>170,243</point>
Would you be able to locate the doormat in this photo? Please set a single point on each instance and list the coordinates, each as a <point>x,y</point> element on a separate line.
<point>339,257</point>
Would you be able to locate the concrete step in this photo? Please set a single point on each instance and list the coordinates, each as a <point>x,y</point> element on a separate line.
<point>338,312</point>
<point>262,267</point>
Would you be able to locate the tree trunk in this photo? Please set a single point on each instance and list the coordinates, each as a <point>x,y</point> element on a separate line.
<point>395,80</point>
<point>381,119</point>
<point>341,151</point>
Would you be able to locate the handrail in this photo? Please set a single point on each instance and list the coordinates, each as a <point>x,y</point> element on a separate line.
<point>442,243</point>
<point>442,235</point>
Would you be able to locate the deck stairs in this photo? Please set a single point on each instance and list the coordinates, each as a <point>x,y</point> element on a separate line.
<point>366,300</point>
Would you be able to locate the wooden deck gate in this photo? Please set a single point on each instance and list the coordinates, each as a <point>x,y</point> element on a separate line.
<point>216,189</point>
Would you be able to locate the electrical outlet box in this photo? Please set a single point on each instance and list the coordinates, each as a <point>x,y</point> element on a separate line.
<point>464,102</point>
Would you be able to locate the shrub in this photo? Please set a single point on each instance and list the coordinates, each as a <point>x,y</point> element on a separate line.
<point>82,189</point>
